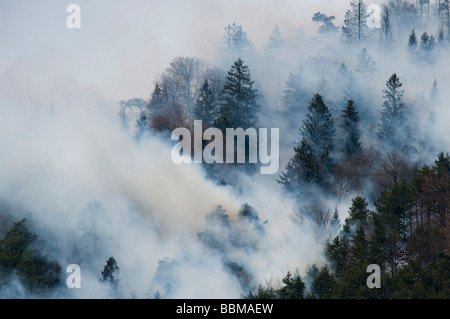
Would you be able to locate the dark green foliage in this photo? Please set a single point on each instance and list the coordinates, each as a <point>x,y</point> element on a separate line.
<point>110,275</point>
<point>312,160</point>
<point>393,126</point>
<point>359,213</point>
<point>301,168</point>
<point>431,280</point>
<point>267,292</point>
<point>324,284</point>
<point>238,106</point>
<point>205,105</point>
<point>318,130</point>
<point>412,42</point>
<point>293,288</point>
<point>159,100</point>
<point>407,236</point>
<point>351,134</point>
<point>19,254</point>
<point>338,252</point>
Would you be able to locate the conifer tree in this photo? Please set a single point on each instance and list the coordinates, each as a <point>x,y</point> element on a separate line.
<point>110,275</point>
<point>318,131</point>
<point>393,118</point>
<point>159,100</point>
<point>293,288</point>
<point>312,157</point>
<point>412,42</point>
<point>351,147</point>
<point>238,106</point>
<point>205,105</point>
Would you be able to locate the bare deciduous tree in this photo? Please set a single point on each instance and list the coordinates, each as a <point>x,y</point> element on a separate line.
<point>182,81</point>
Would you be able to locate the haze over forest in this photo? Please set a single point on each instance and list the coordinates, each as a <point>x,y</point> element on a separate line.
<point>87,178</point>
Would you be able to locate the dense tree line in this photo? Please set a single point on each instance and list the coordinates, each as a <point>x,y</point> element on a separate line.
<point>346,147</point>
<point>407,232</point>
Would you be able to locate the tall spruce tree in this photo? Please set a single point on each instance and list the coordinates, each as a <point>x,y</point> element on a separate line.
<point>110,275</point>
<point>205,105</point>
<point>318,131</point>
<point>238,106</point>
<point>312,157</point>
<point>412,42</point>
<point>158,101</point>
<point>351,134</point>
<point>393,124</point>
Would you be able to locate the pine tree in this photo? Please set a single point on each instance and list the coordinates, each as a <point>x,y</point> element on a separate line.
<point>18,256</point>
<point>365,65</point>
<point>158,101</point>
<point>237,42</point>
<point>412,42</point>
<point>353,280</point>
<point>238,106</point>
<point>324,285</point>
<point>427,45</point>
<point>312,156</point>
<point>110,275</point>
<point>355,29</point>
<point>351,134</point>
<point>318,131</point>
<point>205,105</point>
<point>393,117</point>
<point>294,287</point>
<point>358,212</point>
<point>300,168</point>
<point>328,26</point>
<point>338,253</point>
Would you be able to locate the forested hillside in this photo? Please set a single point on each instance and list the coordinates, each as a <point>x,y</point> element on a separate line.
<point>363,177</point>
